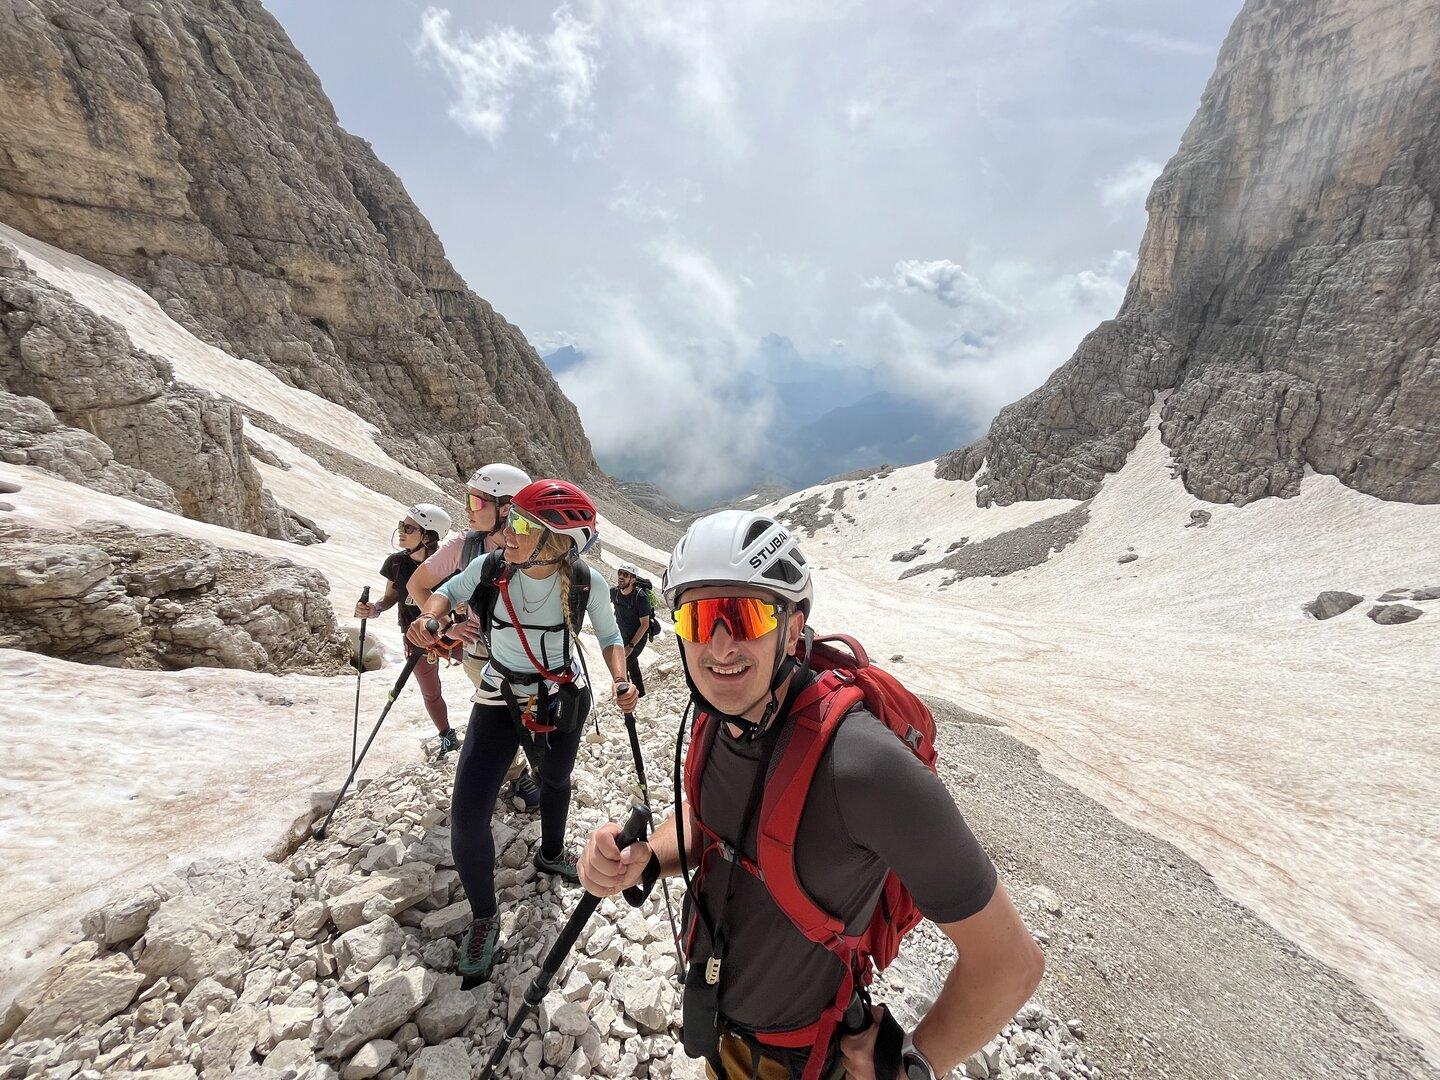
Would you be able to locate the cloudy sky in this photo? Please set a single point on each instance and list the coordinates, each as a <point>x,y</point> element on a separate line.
<point>948,194</point>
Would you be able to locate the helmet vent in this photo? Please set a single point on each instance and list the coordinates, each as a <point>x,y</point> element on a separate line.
<point>758,528</point>
<point>782,570</point>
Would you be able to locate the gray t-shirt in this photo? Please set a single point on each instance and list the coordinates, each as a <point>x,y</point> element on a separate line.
<point>873,805</point>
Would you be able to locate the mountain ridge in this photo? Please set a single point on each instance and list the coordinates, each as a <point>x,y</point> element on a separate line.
<point>1286,293</point>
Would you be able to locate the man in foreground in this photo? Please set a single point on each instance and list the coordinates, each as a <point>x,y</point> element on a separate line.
<point>763,994</point>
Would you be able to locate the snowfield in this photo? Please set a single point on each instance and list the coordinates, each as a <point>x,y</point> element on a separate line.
<point>1297,760</point>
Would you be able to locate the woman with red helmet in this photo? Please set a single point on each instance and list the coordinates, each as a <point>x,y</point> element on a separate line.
<point>531,599</point>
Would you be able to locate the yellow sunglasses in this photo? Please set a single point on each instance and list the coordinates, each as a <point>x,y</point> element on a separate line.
<point>522,525</point>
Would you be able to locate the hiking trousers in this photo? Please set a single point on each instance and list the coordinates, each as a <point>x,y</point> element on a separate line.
<point>739,1063</point>
<point>490,743</point>
<point>632,668</point>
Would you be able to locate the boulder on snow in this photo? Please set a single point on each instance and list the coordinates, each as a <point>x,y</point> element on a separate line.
<point>1198,519</point>
<point>1394,614</point>
<point>121,920</point>
<point>149,599</point>
<point>1331,603</point>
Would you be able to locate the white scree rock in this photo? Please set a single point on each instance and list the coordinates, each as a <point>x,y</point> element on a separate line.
<point>446,1015</point>
<point>389,1005</point>
<point>369,1060</point>
<point>448,1061</point>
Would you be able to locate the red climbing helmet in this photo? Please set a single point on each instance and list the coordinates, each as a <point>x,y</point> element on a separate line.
<point>562,508</point>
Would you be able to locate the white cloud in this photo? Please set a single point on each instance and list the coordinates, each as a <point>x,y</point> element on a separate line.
<point>668,376</point>
<point>1127,188</point>
<point>548,342</point>
<point>648,202</point>
<point>977,367</point>
<point>488,72</point>
<point>948,282</point>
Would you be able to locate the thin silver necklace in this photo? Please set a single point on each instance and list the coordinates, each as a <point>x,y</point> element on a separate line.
<point>525,606</point>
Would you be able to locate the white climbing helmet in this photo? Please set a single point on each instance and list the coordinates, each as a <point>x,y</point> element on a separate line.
<point>498,480</point>
<point>629,568</point>
<point>740,547</point>
<point>431,517</point>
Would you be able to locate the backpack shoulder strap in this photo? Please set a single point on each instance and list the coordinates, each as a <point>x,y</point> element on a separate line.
<point>487,593</point>
<point>580,581</point>
<point>701,738</point>
<point>814,718</point>
<point>473,546</point>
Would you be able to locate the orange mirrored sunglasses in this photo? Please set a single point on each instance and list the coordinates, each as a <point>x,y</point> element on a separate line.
<point>744,617</point>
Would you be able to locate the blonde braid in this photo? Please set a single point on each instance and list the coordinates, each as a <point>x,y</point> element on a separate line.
<point>556,546</point>
<point>565,598</point>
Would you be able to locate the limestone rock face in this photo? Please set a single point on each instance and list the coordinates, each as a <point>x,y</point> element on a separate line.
<point>120,596</point>
<point>31,434</point>
<point>189,147</point>
<point>1288,289</point>
<point>85,404</point>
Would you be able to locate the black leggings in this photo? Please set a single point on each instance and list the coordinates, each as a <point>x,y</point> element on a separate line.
<point>489,747</point>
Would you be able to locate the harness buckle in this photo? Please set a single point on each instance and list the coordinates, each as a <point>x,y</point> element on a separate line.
<point>712,970</point>
<point>912,739</point>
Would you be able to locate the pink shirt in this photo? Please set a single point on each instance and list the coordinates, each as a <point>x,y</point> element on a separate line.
<point>446,560</point>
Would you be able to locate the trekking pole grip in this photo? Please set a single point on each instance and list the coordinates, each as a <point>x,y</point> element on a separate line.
<point>636,827</point>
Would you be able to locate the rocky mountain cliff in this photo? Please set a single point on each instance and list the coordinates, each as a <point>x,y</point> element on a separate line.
<point>1288,291</point>
<point>187,145</point>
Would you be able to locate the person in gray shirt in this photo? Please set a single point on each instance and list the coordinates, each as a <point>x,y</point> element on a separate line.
<point>873,807</point>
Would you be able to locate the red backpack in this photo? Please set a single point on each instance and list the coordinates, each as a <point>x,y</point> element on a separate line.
<point>847,679</point>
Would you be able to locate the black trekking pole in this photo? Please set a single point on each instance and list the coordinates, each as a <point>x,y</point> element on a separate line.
<point>433,625</point>
<point>635,829</point>
<point>359,670</point>
<point>857,1019</point>
<point>645,796</point>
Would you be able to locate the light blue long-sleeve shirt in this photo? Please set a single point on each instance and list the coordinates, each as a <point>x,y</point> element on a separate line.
<point>537,603</point>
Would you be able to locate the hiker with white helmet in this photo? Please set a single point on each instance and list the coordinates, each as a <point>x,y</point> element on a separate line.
<point>635,615</point>
<point>819,834</point>
<point>417,537</point>
<point>488,494</point>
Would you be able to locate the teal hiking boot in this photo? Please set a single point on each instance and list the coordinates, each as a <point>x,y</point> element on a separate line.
<point>560,866</point>
<point>477,950</point>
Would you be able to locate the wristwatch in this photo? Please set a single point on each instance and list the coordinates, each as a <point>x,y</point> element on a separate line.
<point>913,1064</point>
